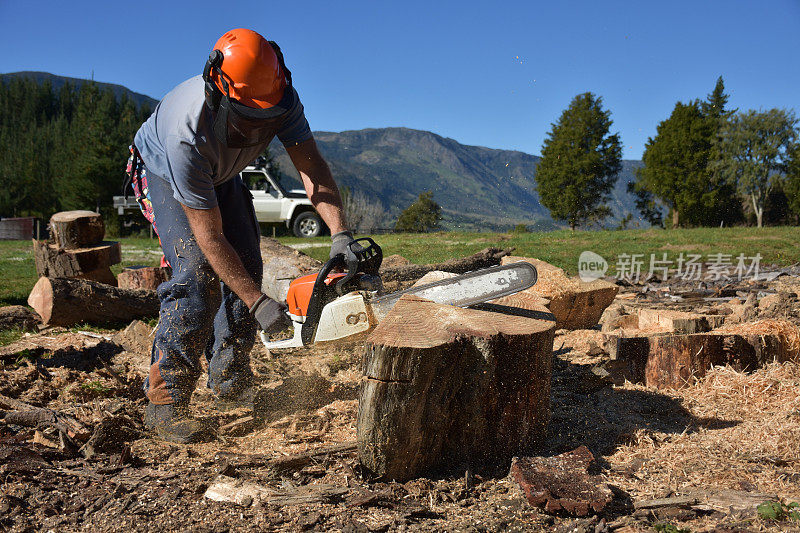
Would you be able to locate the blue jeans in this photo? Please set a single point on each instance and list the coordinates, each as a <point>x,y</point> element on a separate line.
<point>199,314</point>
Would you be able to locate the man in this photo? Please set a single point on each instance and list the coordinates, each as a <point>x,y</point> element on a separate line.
<point>198,139</point>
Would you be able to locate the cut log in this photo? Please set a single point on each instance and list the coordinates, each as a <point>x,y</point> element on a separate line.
<point>447,387</point>
<point>681,322</point>
<point>18,316</point>
<point>407,272</point>
<point>143,277</point>
<point>283,264</point>
<point>54,262</point>
<point>575,304</point>
<point>666,360</point>
<point>77,229</point>
<point>676,361</point>
<point>67,348</point>
<point>64,302</point>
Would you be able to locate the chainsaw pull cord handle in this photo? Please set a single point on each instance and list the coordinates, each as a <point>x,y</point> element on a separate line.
<point>320,296</point>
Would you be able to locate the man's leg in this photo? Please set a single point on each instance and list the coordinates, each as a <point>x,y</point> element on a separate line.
<point>234,329</point>
<point>189,301</point>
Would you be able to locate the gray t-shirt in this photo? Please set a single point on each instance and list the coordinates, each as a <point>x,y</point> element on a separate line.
<point>177,143</point>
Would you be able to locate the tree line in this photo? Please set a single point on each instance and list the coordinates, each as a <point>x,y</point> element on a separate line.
<point>62,149</point>
<point>706,166</point>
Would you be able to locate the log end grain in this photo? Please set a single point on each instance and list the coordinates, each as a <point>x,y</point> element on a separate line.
<point>41,297</point>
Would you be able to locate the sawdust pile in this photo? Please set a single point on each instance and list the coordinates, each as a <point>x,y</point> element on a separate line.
<point>749,438</point>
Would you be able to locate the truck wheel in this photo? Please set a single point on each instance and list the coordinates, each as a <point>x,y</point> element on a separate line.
<point>307,224</point>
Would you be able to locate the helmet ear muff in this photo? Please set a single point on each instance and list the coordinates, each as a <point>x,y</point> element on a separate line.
<point>213,94</point>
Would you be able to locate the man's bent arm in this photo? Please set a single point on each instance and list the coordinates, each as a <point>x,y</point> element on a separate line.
<point>206,225</point>
<point>319,184</point>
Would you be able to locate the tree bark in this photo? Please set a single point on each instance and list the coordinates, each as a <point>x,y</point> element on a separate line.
<point>142,277</point>
<point>65,302</point>
<point>77,229</point>
<point>758,210</point>
<point>447,387</point>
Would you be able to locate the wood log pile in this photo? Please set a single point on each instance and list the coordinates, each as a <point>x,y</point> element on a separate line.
<point>76,248</point>
<point>76,283</point>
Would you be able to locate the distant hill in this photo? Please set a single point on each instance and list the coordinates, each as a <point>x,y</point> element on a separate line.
<point>59,81</point>
<point>478,188</point>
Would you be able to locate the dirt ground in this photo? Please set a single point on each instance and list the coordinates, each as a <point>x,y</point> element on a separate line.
<point>731,431</point>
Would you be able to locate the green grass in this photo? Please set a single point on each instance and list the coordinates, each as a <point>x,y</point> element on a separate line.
<point>777,245</point>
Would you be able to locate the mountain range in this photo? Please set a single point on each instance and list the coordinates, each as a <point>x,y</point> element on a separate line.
<point>58,81</point>
<point>478,188</point>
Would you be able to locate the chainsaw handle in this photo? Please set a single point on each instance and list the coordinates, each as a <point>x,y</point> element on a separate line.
<point>366,258</point>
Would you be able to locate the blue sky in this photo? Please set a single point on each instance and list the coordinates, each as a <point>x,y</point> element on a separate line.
<point>495,74</point>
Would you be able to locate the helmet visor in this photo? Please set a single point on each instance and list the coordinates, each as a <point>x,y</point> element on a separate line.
<point>240,126</point>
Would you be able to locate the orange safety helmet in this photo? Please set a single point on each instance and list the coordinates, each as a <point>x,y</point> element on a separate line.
<point>248,87</point>
<point>252,69</point>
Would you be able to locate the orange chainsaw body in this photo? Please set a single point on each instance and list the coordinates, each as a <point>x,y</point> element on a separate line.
<point>300,291</point>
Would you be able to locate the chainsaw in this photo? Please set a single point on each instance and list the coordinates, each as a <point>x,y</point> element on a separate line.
<point>333,305</point>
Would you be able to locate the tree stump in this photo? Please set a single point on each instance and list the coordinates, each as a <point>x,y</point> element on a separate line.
<point>54,262</point>
<point>143,277</point>
<point>64,302</point>
<point>77,229</point>
<point>447,387</point>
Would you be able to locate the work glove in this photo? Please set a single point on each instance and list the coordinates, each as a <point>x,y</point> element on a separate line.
<point>270,315</point>
<point>340,244</point>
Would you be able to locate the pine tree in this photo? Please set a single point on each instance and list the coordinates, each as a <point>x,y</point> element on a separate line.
<point>422,216</point>
<point>580,162</point>
<point>678,170</point>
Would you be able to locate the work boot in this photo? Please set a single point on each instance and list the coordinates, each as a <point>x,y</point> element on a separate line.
<point>173,423</point>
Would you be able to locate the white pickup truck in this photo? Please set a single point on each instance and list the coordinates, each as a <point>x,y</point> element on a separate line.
<point>273,203</point>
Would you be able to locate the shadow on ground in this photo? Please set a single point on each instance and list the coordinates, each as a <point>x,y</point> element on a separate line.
<point>586,410</point>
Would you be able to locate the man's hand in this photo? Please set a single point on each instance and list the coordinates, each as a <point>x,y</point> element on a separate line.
<point>270,315</point>
<point>340,245</point>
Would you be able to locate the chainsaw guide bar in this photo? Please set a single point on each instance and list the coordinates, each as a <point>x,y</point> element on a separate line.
<point>467,289</point>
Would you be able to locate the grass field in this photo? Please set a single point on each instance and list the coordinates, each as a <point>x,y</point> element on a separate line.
<point>777,245</point>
